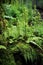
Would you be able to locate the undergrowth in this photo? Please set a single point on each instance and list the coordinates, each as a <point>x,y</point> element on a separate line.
<point>19,25</point>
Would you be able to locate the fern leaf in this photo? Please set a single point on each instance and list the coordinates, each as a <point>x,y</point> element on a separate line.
<point>2,47</point>
<point>36,46</point>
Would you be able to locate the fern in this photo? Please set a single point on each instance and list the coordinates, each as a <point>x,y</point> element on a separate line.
<point>22,33</point>
<point>2,47</point>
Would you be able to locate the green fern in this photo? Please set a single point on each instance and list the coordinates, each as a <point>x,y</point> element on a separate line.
<point>2,47</point>
<point>22,32</point>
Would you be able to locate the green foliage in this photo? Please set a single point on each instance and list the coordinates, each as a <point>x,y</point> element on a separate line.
<point>20,25</point>
<point>26,50</point>
<point>2,47</point>
<point>6,58</point>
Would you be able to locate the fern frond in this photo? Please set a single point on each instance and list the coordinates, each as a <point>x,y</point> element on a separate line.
<point>2,47</point>
<point>36,46</point>
<point>26,50</point>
